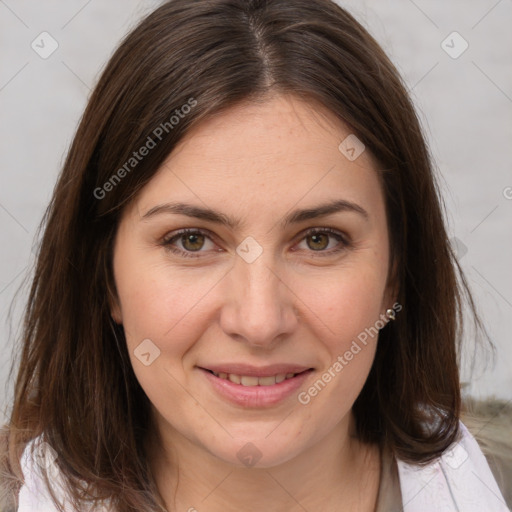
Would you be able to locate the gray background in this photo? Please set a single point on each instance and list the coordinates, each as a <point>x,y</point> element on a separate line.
<point>465,104</point>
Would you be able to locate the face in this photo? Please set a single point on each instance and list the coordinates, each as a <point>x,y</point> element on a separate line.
<point>258,251</point>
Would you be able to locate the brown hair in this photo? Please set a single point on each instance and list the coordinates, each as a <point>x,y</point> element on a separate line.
<point>75,383</point>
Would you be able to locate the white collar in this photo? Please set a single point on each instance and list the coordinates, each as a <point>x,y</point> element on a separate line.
<point>458,481</point>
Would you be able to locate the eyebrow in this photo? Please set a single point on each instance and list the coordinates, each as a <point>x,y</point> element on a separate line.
<point>294,217</point>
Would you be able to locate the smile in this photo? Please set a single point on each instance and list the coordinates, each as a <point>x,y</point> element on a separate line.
<point>249,380</point>
<point>253,391</point>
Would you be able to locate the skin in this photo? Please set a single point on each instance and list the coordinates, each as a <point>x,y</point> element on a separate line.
<point>298,302</point>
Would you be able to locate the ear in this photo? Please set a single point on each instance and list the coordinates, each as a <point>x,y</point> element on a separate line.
<point>115,313</point>
<point>392,288</point>
<point>115,307</point>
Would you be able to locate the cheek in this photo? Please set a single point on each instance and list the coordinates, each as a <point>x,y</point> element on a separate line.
<point>165,307</point>
<point>346,309</point>
<point>345,303</point>
<point>348,332</point>
<point>161,303</point>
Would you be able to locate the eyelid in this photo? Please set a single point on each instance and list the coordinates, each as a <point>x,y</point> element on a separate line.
<point>331,231</point>
<point>185,231</point>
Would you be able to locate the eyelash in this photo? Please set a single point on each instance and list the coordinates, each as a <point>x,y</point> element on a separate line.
<point>168,241</point>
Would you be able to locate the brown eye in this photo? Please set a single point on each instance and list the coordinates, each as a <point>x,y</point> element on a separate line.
<point>193,241</point>
<point>318,241</point>
<point>324,242</point>
<point>189,242</point>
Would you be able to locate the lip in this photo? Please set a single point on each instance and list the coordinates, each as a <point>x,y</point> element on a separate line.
<point>256,396</point>
<point>255,371</point>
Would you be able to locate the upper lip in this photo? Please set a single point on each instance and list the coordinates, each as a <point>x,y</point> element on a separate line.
<point>256,371</point>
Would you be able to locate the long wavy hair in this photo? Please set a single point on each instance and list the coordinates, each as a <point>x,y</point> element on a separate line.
<point>75,384</point>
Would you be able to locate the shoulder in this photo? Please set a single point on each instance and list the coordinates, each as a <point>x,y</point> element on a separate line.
<point>458,480</point>
<point>39,458</point>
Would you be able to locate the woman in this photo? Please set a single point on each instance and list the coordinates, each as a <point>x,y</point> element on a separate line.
<point>245,297</point>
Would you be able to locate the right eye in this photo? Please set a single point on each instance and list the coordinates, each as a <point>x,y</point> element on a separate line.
<point>191,241</point>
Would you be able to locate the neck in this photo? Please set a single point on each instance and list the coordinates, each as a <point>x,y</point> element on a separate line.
<point>339,469</point>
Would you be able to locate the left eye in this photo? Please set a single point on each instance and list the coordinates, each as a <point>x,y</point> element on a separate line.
<point>319,240</point>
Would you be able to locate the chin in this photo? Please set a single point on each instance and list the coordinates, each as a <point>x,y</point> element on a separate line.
<point>257,454</point>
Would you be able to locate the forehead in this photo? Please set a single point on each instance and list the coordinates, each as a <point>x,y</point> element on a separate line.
<point>281,128</point>
<point>277,152</point>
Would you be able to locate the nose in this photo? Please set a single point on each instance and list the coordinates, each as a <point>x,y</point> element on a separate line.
<point>259,305</point>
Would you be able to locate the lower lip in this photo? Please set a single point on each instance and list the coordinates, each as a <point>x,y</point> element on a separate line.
<point>256,396</point>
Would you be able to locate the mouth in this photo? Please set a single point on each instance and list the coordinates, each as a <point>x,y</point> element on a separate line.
<point>255,391</point>
<point>252,380</point>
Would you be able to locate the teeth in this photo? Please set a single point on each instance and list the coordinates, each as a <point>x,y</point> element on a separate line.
<point>250,381</point>
<point>234,378</point>
<point>266,381</point>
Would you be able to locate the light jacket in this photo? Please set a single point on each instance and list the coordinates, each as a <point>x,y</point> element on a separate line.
<point>458,481</point>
